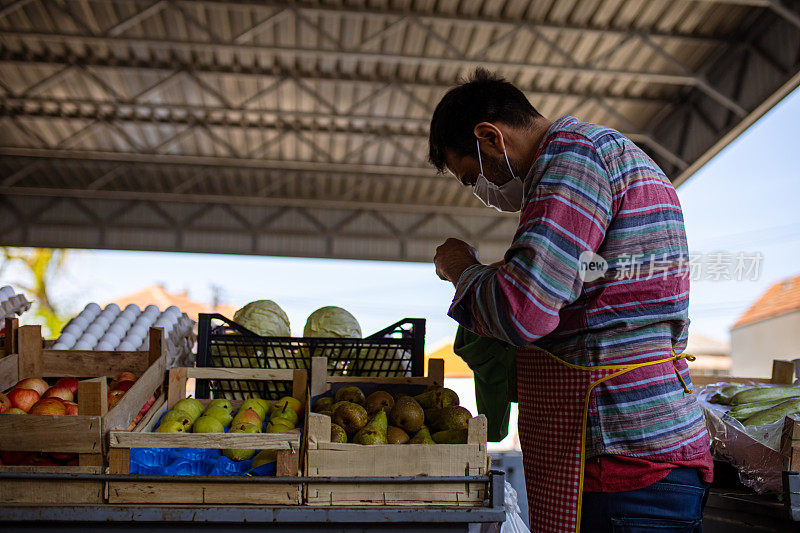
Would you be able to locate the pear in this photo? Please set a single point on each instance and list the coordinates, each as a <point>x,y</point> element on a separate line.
<point>191,407</point>
<point>407,414</point>
<point>338,434</point>
<point>336,405</point>
<point>220,413</point>
<point>453,417</point>
<point>290,402</point>
<point>422,437</point>
<point>255,405</point>
<point>396,435</point>
<point>241,454</point>
<point>263,403</point>
<point>176,415</point>
<point>263,457</point>
<point>351,393</point>
<point>450,436</point>
<point>375,430</point>
<point>377,401</point>
<point>171,426</point>
<point>351,417</point>
<point>323,404</point>
<point>284,412</point>
<point>279,425</point>
<point>246,416</point>
<point>437,397</point>
<point>208,424</point>
<point>220,402</point>
<point>326,413</point>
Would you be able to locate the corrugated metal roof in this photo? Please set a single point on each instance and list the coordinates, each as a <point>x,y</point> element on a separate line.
<point>314,109</point>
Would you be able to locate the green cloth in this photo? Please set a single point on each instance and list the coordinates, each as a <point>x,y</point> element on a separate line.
<point>494,364</point>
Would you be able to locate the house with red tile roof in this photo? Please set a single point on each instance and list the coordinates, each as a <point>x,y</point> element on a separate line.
<point>769,329</point>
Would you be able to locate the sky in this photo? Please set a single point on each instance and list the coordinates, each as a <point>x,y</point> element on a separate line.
<point>744,201</point>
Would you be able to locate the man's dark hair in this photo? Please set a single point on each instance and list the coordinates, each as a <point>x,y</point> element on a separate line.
<point>485,97</point>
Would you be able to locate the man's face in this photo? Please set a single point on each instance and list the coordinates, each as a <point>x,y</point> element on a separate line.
<point>466,169</point>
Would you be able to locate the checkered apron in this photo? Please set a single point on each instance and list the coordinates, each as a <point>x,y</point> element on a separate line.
<point>554,399</point>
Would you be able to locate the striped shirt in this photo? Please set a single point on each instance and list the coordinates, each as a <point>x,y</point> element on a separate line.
<point>592,191</point>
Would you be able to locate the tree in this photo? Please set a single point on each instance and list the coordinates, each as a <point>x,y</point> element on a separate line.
<point>41,266</point>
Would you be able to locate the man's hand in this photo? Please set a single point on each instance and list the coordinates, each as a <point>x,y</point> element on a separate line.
<point>453,258</point>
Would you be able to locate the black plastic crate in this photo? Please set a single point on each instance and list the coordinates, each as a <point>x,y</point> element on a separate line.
<point>395,351</point>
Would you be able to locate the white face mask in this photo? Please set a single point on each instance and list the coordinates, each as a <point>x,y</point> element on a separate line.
<point>506,197</point>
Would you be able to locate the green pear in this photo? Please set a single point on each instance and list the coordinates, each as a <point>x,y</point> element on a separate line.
<point>279,425</point>
<point>191,406</point>
<point>248,416</point>
<point>241,454</point>
<point>422,437</point>
<point>265,456</point>
<point>266,404</point>
<point>453,417</point>
<point>172,426</point>
<point>208,424</point>
<point>450,436</point>
<point>177,415</point>
<point>375,430</point>
<point>407,415</point>
<point>284,412</point>
<point>338,434</point>
<point>255,405</point>
<point>220,413</point>
<point>437,397</point>
<point>220,402</point>
<point>290,402</point>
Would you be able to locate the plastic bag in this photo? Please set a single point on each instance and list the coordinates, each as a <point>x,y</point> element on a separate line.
<point>753,450</point>
<point>514,522</point>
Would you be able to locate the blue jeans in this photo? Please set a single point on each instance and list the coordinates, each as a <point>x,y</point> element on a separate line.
<point>672,505</point>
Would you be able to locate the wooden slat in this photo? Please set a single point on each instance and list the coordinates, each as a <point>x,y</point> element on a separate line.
<point>93,397</point>
<point>790,443</point>
<point>319,429</point>
<point>420,381</point>
<point>319,376</point>
<point>53,469</point>
<point>57,491</point>
<point>88,363</point>
<point>204,493</point>
<point>477,430</point>
<point>411,495</point>
<point>51,433</point>
<point>11,336</point>
<point>288,463</point>
<point>782,372</point>
<point>119,460</point>
<point>436,372</point>
<point>148,417</point>
<point>219,441</point>
<point>176,386</point>
<point>9,371</point>
<point>300,385</point>
<point>134,399</point>
<point>29,363</point>
<point>154,418</point>
<point>157,348</point>
<point>240,373</point>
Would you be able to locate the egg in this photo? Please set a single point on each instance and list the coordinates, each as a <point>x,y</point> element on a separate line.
<point>138,330</point>
<point>116,329</point>
<point>6,292</point>
<point>113,307</point>
<point>60,346</point>
<point>88,337</point>
<point>80,322</point>
<point>104,346</point>
<point>67,338</point>
<point>125,346</point>
<point>82,345</point>
<point>132,307</point>
<point>95,330</point>
<point>94,307</point>
<point>73,330</point>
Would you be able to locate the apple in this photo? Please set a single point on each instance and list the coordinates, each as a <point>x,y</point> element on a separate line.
<point>5,403</point>
<point>125,376</point>
<point>208,424</point>
<point>114,397</point>
<point>15,458</point>
<point>63,456</point>
<point>123,385</point>
<point>70,383</point>
<point>72,408</point>
<point>293,403</point>
<point>247,416</point>
<point>23,398</point>
<point>14,411</point>
<point>60,392</point>
<point>37,384</point>
<point>48,406</point>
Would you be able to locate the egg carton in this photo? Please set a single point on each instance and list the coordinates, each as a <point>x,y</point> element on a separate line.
<point>192,462</point>
<point>128,329</point>
<point>11,303</point>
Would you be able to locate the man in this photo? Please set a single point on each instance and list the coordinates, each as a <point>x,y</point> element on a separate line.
<point>612,438</point>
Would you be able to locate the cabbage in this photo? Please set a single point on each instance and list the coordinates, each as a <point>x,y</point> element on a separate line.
<point>332,321</point>
<point>265,318</point>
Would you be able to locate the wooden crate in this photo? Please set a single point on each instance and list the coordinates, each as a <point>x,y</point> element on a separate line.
<point>782,374</point>
<point>326,459</point>
<point>82,434</point>
<point>208,491</point>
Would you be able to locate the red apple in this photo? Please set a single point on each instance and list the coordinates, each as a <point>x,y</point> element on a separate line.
<point>125,376</point>
<point>72,408</point>
<point>42,460</point>
<point>72,462</point>
<point>14,411</point>
<point>48,406</point>
<point>63,456</point>
<point>14,458</point>
<point>114,397</point>
<point>5,403</point>
<point>70,383</point>
<point>123,385</point>
<point>60,392</point>
<point>37,384</point>
<point>23,398</point>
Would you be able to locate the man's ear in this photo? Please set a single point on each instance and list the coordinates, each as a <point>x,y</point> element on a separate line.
<point>490,138</point>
